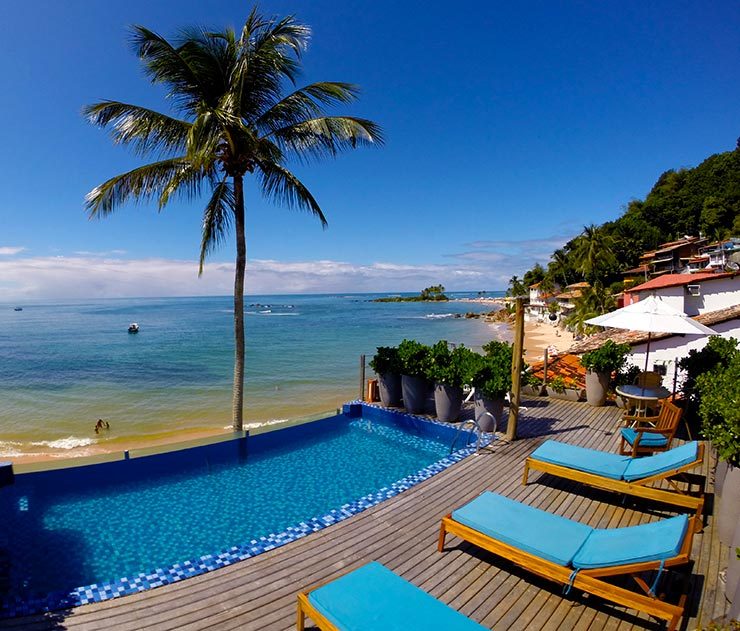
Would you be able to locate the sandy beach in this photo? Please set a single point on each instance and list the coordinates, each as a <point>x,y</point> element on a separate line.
<point>538,336</point>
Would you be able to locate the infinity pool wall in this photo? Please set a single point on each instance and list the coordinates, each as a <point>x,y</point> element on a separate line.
<point>31,488</point>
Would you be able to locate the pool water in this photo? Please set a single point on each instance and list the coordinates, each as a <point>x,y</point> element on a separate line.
<point>69,530</point>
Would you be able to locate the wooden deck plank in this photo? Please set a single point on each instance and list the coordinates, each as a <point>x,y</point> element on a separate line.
<point>259,593</point>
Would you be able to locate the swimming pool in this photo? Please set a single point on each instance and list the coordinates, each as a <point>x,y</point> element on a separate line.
<point>71,536</point>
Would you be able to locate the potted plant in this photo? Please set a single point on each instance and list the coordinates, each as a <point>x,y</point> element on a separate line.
<point>599,364</point>
<point>490,375</point>
<point>563,388</point>
<point>387,367</point>
<point>447,370</point>
<point>413,358</point>
<point>532,385</point>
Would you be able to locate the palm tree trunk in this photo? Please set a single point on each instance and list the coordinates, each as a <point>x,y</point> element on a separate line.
<point>241,263</point>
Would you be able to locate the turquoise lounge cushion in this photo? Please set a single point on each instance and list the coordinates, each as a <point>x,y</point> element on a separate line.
<point>543,534</point>
<point>372,597</point>
<point>646,440</point>
<point>639,468</point>
<point>619,546</point>
<point>588,460</point>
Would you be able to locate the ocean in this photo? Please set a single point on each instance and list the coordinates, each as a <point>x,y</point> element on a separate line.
<point>63,365</point>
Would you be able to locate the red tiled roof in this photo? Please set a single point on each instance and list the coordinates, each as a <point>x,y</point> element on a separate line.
<point>566,366</point>
<point>582,285</point>
<point>535,286</point>
<point>633,338</point>
<point>676,280</point>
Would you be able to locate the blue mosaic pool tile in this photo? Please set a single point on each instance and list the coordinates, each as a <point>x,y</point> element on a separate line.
<point>13,607</point>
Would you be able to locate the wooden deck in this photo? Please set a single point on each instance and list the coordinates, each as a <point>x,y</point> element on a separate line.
<point>260,593</point>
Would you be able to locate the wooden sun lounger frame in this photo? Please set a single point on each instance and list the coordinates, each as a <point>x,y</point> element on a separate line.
<point>638,488</point>
<point>587,580</point>
<point>305,608</point>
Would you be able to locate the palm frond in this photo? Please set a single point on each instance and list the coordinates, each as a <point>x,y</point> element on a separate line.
<point>327,136</point>
<point>144,129</point>
<point>306,103</point>
<point>217,219</point>
<point>164,63</point>
<point>268,55</point>
<point>285,188</point>
<point>143,184</point>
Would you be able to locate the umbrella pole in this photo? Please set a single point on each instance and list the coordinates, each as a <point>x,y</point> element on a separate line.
<point>647,352</point>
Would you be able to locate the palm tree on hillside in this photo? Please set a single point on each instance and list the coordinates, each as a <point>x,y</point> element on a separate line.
<point>594,253</point>
<point>232,118</point>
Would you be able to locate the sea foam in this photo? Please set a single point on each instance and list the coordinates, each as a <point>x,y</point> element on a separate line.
<point>71,442</point>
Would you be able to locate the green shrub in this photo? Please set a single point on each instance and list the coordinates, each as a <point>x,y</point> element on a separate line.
<point>626,375</point>
<point>491,374</point>
<point>609,357</point>
<point>386,361</point>
<point>719,408</point>
<point>413,358</point>
<point>718,351</point>
<point>557,384</point>
<point>449,367</point>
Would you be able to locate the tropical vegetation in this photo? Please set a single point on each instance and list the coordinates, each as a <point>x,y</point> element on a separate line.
<point>704,199</point>
<point>386,361</point>
<point>608,358</point>
<point>414,358</point>
<point>719,397</point>
<point>449,366</point>
<point>236,113</point>
<point>714,358</point>
<point>435,293</point>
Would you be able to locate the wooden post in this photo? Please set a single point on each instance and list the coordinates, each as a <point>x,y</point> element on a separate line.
<point>516,370</point>
<point>362,377</point>
<point>544,371</point>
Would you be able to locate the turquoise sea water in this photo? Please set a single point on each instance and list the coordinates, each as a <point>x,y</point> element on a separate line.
<point>68,532</point>
<point>64,365</point>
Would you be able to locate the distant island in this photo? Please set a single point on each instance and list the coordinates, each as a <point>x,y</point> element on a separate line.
<point>435,293</point>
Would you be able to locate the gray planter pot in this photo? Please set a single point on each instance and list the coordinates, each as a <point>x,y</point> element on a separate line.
<point>729,506</point>
<point>720,472</point>
<point>597,384</point>
<point>447,401</point>
<point>569,394</point>
<point>415,391</point>
<point>485,406</point>
<point>734,613</point>
<point>733,568</point>
<point>532,391</point>
<point>389,385</point>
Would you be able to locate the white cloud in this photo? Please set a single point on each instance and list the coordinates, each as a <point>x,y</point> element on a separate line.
<point>508,258</point>
<point>10,251</point>
<point>58,277</point>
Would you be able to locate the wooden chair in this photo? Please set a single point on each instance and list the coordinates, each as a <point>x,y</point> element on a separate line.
<point>652,477</point>
<point>577,556</point>
<point>648,434</point>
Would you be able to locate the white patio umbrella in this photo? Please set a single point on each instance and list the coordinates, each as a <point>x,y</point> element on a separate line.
<point>651,315</point>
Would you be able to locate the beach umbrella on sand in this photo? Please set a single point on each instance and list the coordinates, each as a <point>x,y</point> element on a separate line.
<point>651,315</point>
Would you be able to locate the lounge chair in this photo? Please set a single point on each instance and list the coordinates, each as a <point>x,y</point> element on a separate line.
<point>574,554</point>
<point>648,434</point>
<point>623,474</point>
<point>373,597</point>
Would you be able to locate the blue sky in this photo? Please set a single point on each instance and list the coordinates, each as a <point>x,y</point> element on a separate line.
<point>509,126</point>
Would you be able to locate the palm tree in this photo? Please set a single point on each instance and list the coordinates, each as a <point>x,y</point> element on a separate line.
<point>232,118</point>
<point>594,253</point>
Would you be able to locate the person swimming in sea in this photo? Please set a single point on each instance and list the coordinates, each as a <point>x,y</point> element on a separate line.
<point>101,424</point>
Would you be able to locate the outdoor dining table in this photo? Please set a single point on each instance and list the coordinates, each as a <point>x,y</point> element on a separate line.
<point>642,396</point>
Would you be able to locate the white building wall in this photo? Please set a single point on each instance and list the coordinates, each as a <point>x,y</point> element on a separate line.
<point>715,295</point>
<point>669,350</point>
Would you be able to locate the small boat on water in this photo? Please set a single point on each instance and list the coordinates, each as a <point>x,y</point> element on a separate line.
<point>133,328</point>
<point>18,309</point>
